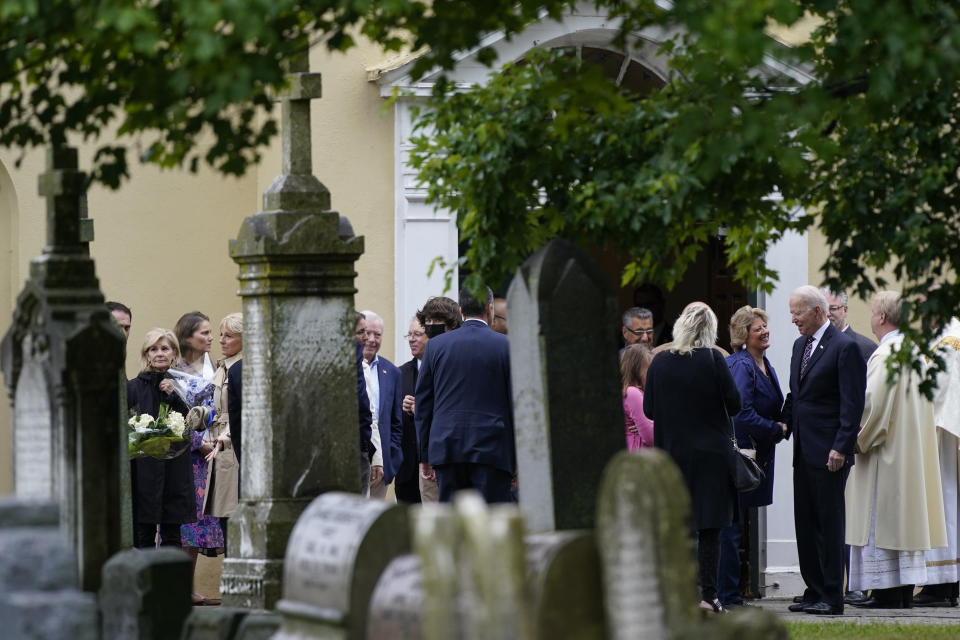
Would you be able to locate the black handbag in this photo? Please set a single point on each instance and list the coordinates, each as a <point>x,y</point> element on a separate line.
<point>747,474</point>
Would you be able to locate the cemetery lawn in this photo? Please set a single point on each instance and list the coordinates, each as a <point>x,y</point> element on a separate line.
<point>870,631</point>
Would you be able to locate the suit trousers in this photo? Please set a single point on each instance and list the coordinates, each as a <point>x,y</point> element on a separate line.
<point>492,483</point>
<point>820,520</point>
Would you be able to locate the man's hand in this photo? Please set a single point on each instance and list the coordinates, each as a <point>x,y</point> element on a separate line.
<point>376,476</point>
<point>408,402</point>
<point>427,472</point>
<point>835,460</point>
<point>783,428</point>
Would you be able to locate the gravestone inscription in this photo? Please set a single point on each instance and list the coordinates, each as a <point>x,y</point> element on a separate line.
<point>33,467</point>
<point>336,554</point>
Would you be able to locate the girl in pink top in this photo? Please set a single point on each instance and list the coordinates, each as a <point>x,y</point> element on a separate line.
<point>634,362</point>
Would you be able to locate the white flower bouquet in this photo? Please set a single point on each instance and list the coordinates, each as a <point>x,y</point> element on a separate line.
<point>164,437</point>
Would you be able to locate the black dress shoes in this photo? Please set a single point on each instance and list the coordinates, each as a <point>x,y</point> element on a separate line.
<point>855,597</point>
<point>930,600</point>
<point>894,598</point>
<point>798,607</point>
<point>823,609</point>
<point>798,600</point>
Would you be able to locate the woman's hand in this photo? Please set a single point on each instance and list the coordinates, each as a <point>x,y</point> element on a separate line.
<point>166,385</point>
<point>205,448</point>
<point>216,449</point>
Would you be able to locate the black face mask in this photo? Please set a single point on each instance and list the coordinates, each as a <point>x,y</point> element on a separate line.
<point>433,330</point>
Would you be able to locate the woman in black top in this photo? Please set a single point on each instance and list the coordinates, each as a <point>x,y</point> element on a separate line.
<point>162,489</point>
<point>689,394</point>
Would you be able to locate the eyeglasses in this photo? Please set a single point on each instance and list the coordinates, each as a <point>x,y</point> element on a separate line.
<point>640,332</point>
<point>835,308</point>
<point>414,334</point>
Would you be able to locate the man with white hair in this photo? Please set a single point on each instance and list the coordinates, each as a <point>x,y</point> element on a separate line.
<point>822,411</point>
<point>384,389</point>
<point>896,457</point>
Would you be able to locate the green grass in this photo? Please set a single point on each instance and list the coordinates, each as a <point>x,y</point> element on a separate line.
<point>870,631</point>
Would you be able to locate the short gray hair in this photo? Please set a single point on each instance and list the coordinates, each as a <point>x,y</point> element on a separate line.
<point>889,304</point>
<point>812,296</point>
<point>639,313</point>
<point>372,316</point>
<point>840,294</point>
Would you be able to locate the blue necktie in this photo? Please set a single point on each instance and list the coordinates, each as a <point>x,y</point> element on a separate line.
<point>807,350</point>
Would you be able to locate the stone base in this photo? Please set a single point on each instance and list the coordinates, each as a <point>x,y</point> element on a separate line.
<point>38,615</point>
<point>252,575</point>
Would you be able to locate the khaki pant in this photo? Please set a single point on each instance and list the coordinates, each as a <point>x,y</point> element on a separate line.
<point>429,492</point>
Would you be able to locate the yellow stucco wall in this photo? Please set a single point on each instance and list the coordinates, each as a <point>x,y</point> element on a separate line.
<point>160,247</point>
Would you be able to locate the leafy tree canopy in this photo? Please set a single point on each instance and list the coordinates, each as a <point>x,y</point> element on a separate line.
<point>868,151</point>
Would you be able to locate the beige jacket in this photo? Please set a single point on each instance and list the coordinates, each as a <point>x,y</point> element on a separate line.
<point>897,469</point>
<point>223,471</point>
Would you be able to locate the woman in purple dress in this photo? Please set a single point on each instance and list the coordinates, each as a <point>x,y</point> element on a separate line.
<point>194,375</point>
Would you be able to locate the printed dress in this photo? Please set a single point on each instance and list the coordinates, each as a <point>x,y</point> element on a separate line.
<point>204,534</point>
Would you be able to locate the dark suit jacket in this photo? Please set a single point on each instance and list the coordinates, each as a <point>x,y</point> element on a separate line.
<point>389,421</point>
<point>865,344</point>
<point>235,404</point>
<point>363,408</point>
<point>408,471</point>
<point>464,407</point>
<point>823,409</point>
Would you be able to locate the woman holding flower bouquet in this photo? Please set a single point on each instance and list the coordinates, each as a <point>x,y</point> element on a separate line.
<point>162,489</point>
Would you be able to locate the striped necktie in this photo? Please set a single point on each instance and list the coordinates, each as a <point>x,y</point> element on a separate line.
<point>807,349</point>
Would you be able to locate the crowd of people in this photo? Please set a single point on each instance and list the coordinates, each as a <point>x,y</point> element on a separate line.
<point>875,463</point>
<point>867,533</point>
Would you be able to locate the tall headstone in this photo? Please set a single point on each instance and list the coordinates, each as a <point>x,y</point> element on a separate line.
<point>39,587</point>
<point>566,403</point>
<point>296,262</point>
<point>339,549</point>
<point>60,359</point>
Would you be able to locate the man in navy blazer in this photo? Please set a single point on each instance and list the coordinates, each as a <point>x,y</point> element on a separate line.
<point>822,411</point>
<point>464,407</point>
<point>384,390</point>
<point>837,313</point>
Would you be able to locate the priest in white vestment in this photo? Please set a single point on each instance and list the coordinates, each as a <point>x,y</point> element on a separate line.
<point>894,501</point>
<point>941,589</point>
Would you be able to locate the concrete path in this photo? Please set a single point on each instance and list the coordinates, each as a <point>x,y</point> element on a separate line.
<point>917,615</point>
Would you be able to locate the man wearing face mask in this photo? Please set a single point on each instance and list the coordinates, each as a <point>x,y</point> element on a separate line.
<point>438,315</point>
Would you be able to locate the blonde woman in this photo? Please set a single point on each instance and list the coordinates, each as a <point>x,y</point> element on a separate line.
<point>223,460</point>
<point>688,394</point>
<point>162,489</point>
<point>634,362</point>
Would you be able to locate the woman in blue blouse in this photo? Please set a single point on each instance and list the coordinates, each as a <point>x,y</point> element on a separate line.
<point>758,427</point>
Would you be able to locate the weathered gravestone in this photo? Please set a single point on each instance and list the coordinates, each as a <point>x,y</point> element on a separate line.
<point>341,545</point>
<point>60,359</point>
<point>230,623</point>
<point>39,587</point>
<point>646,547</point>
<point>563,365</point>
<point>296,277</point>
<point>146,594</point>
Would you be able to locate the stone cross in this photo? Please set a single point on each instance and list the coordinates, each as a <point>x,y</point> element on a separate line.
<point>296,261</point>
<point>61,359</point>
<point>568,415</point>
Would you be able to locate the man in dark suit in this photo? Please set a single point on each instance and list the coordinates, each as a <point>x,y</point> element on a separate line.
<point>365,418</point>
<point>383,389</point>
<point>822,411</point>
<point>407,485</point>
<point>464,408</point>
<point>837,314</point>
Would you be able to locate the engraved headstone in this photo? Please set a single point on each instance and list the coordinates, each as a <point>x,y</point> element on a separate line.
<point>60,359</point>
<point>562,310</point>
<point>146,594</point>
<point>436,541</point>
<point>564,573</point>
<point>397,602</point>
<point>39,587</point>
<point>296,262</point>
<point>336,554</point>
<point>646,547</point>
